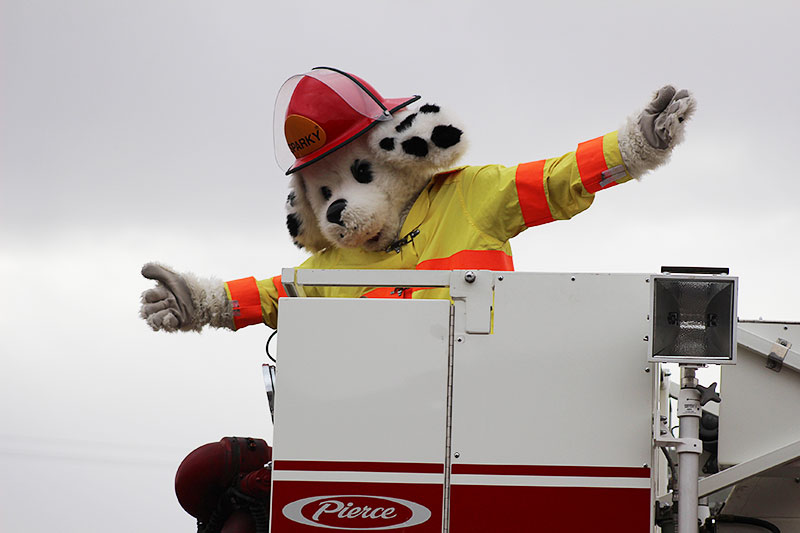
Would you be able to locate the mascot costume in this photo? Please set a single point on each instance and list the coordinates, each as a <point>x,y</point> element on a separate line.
<point>373,186</point>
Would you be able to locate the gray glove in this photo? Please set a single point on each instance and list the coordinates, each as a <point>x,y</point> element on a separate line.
<point>169,305</point>
<point>659,122</point>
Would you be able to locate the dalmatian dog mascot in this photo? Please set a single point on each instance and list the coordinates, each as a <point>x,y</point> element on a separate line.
<point>374,186</point>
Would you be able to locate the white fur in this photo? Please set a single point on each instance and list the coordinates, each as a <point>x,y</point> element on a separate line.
<point>310,236</point>
<point>373,209</point>
<point>637,154</point>
<point>211,303</point>
<point>437,159</point>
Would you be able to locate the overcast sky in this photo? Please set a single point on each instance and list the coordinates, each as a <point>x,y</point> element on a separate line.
<point>141,130</point>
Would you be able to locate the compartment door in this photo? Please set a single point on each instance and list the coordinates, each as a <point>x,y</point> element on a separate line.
<point>552,412</point>
<point>360,415</point>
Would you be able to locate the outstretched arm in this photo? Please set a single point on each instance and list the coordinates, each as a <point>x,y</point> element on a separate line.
<point>504,201</point>
<point>185,302</point>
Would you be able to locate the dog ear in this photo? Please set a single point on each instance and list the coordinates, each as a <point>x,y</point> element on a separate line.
<point>425,139</point>
<point>301,220</point>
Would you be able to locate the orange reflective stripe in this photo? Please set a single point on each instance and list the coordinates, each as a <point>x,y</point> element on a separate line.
<point>530,190</point>
<point>246,302</point>
<point>591,162</point>
<point>478,259</point>
<point>279,287</point>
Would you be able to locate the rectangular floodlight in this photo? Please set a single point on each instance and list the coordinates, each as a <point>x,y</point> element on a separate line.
<point>693,319</point>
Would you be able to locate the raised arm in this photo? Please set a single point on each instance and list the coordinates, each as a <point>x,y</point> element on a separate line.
<point>503,201</point>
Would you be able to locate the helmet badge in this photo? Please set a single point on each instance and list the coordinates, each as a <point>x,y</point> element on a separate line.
<point>303,135</point>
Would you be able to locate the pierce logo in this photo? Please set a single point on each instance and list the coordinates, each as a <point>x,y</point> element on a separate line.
<point>303,135</point>
<point>368,513</point>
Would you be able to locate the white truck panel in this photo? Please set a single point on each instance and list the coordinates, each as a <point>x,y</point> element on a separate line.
<point>361,380</point>
<point>759,410</point>
<point>562,379</point>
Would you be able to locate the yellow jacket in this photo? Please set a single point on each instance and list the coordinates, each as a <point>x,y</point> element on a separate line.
<point>463,218</point>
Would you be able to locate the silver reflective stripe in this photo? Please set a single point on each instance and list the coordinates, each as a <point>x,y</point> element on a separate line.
<point>612,174</point>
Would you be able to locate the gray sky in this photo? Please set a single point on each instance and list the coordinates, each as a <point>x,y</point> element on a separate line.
<point>140,130</point>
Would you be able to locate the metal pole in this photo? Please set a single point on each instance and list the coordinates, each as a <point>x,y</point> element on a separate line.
<point>689,413</point>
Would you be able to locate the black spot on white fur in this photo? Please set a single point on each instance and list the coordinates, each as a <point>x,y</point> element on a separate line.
<point>291,198</point>
<point>406,123</point>
<point>416,146</point>
<point>326,193</point>
<point>361,171</point>
<point>446,136</point>
<point>293,223</point>
<point>387,143</point>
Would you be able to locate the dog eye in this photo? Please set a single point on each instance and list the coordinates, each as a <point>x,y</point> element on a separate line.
<point>326,193</point>
<point>362,171</point>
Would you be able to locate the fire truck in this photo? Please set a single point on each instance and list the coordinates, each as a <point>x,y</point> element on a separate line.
<point>564,402</point>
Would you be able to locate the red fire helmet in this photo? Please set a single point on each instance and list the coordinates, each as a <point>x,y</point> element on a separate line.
<point>322,110</point>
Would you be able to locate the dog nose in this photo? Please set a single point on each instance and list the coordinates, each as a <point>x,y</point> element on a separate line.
<point>334,214</point>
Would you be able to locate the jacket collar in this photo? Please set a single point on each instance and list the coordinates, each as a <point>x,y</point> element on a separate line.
<point>422,204</point>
